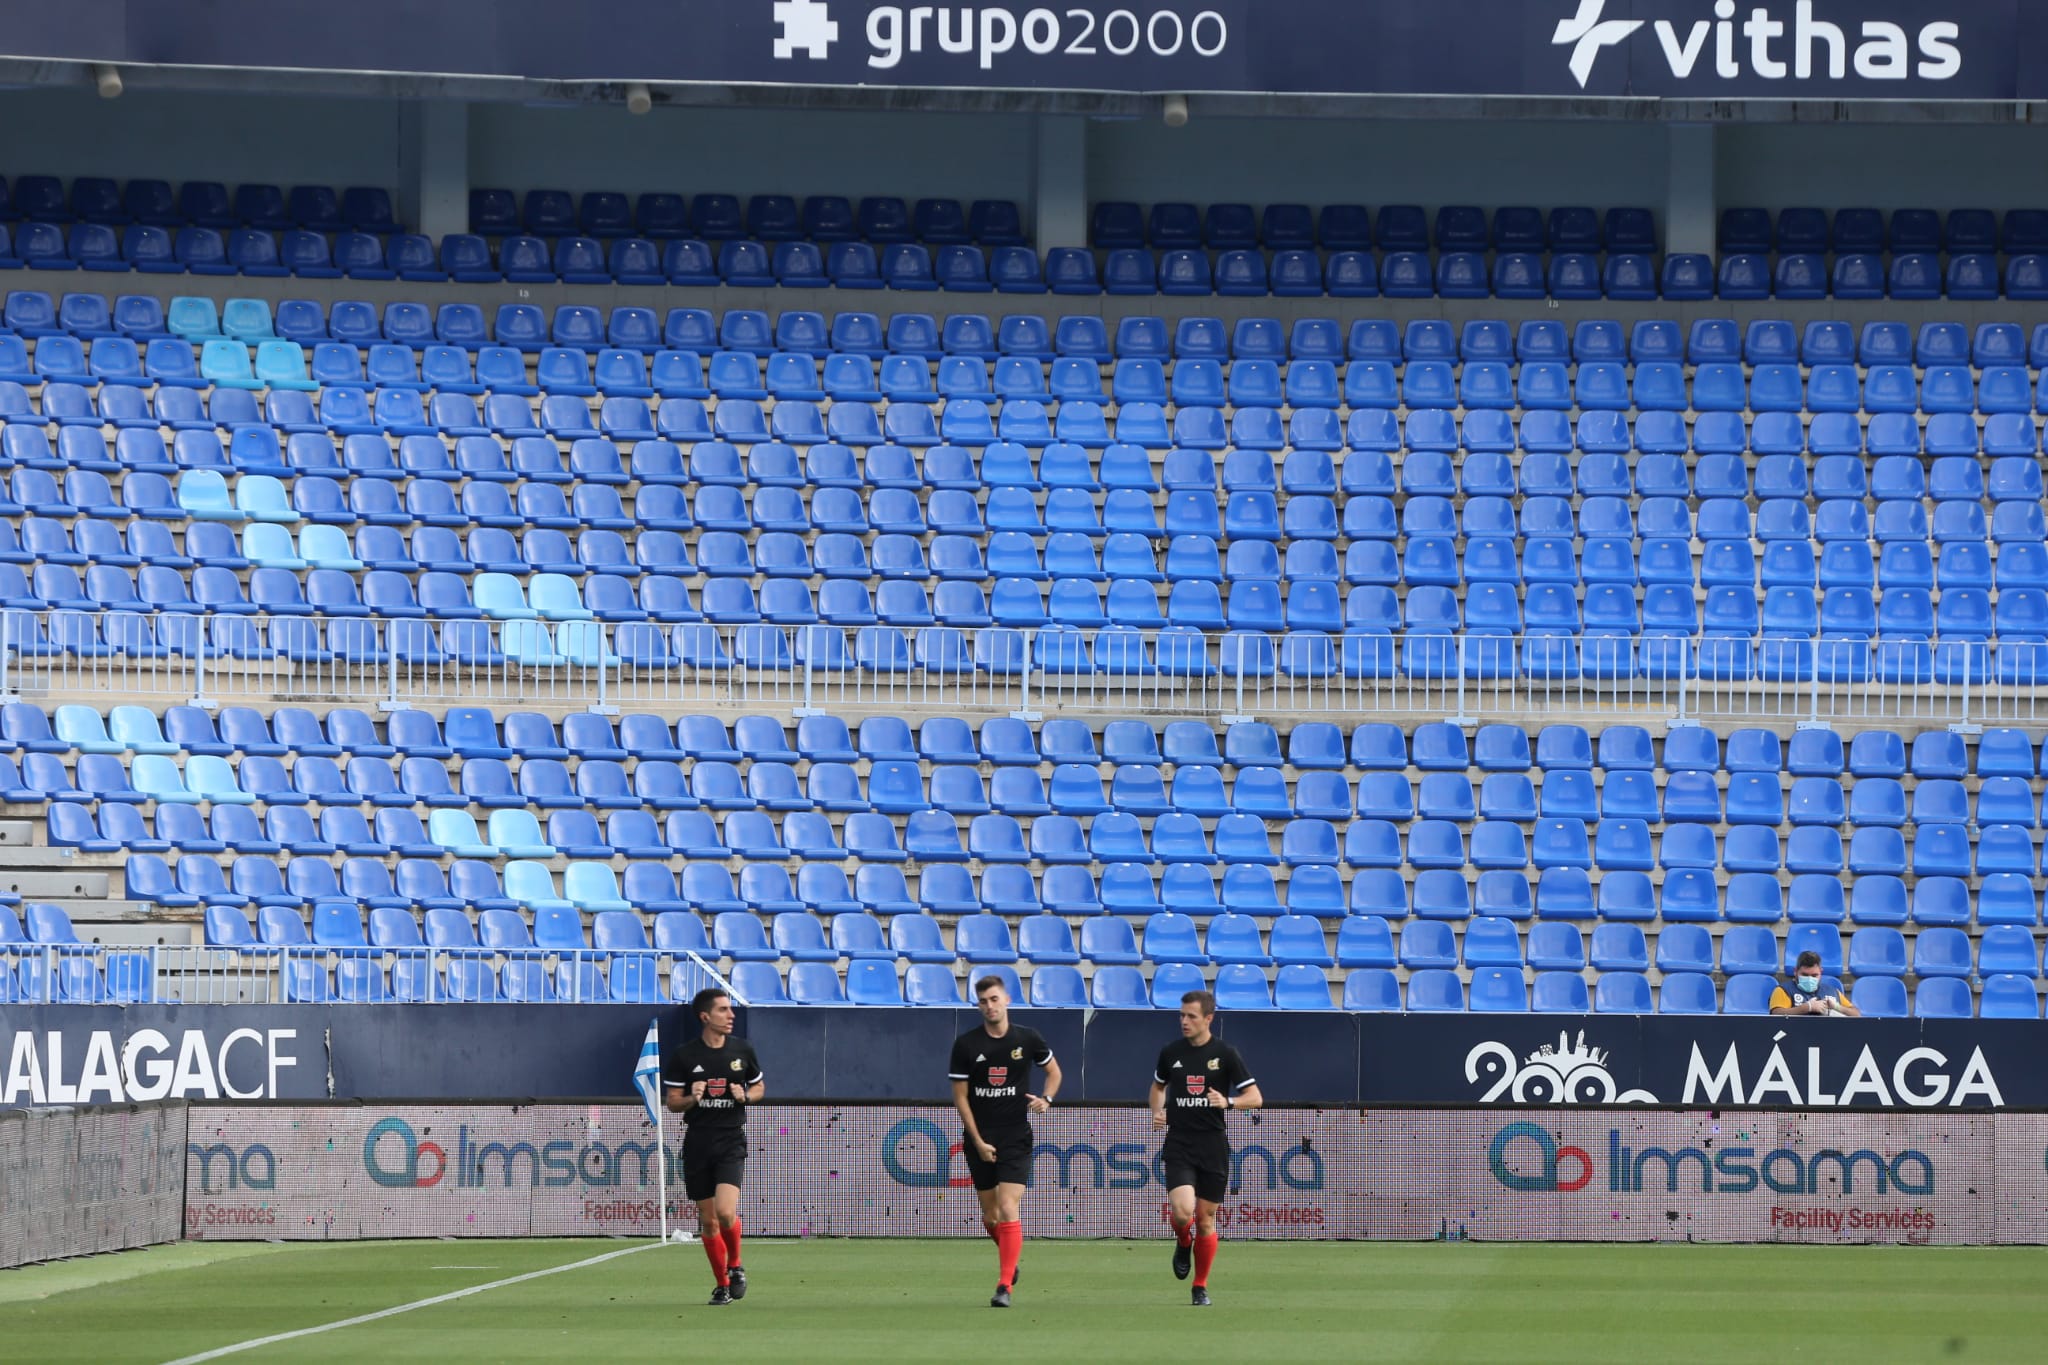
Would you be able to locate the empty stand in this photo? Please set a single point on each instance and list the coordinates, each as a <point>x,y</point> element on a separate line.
<point>483,855</point>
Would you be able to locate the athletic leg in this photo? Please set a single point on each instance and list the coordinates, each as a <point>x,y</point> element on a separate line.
<point>1180,1201</point>
<point>1205,1241</point>
<point>1009,1230</point>
<point>990,1209</point>
<point>711,1230</point>
<point>727,1201</point>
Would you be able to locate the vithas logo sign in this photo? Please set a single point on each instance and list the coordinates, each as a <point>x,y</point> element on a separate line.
<point>1769,43</point>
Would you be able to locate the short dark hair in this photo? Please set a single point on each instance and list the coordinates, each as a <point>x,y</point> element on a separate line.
<point>1807,959</point>
<point>1202,998</point>
<point>704,999</point>
<point>985,982</point>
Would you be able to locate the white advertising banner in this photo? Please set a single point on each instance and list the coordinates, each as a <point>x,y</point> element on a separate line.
<point>313,1172</point>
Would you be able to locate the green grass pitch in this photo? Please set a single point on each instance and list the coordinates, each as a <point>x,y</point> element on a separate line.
<point>1077,1302</point>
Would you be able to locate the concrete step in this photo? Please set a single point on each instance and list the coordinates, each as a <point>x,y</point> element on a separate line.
<point>117,911</point>
<point>56,885</point>
<point>136,934</point>
<point>16,834</point>
<point>69,861</point>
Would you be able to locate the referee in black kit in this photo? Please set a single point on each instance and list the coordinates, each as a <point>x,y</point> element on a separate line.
<point>710,1080</point>
<point>1196,1081</point>
<point>991,1074</point>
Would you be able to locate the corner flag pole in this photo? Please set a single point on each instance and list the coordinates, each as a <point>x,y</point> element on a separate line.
<point>647,1079</point>
<point>661,1171</point>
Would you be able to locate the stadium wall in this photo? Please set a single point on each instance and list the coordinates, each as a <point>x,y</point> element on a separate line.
<point>276,140</point>
<point>56,1055</point>
<point>78,1181</point>
<point>297,1173</point>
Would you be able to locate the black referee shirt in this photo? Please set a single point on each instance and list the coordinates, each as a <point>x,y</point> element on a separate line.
<point>723,1071</point>
<point>998,1075</point>
<point>1191,1074</point>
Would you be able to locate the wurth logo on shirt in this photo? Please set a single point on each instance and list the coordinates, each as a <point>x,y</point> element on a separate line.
<point>714,1096</point>
<point>998,1074</point>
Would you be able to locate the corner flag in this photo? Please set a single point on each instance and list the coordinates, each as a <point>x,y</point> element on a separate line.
<point>647,1072</point>
<point>647,1079</point>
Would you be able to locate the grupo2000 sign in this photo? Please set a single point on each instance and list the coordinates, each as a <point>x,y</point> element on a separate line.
<point>1609,1174</point>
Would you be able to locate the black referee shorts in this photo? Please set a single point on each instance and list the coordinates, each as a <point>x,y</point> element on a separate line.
<point>711,1161</point>
<point>1012,1165</point>
<point>1202,1161</point>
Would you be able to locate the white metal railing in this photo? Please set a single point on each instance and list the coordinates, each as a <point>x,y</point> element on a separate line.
<point>808,669</point>
<point>98,973</point>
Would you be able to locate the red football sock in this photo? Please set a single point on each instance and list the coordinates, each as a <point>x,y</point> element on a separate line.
<point>1009,1246</point>
<point>714,1252</point>
<point>990,1229</point>
<point>1205,1256</point>
<point>1184,1233</point>
<point>732,1242</point>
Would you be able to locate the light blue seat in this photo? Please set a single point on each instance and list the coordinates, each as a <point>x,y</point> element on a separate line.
<point>533,885</point>
<point>592,888</point>
<point>203,495</point>
<point>258,497</point>
<point>84,729</point>
<point>281,364</point>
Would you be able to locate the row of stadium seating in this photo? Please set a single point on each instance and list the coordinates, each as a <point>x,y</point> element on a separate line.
<point>1576,824</point>
<point>129,979</point>
<point>518,478</point>
<point>1067,885</point>
<point>1333,387</point>
<point>909,266</point>
<point>935,221</point>
<point>913,966</point>
<point>1116,651</point>
<point>981,938</point>
<point>436,572</point>
<point>1010,427</point>
<point>526,328</point>
<point>940,222</point>
<point>1375,746</point>
<point>1002,433</point>
<point>1012,398</point>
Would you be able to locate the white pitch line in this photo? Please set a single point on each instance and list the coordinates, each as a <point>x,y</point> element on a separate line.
<point>251,1345</point>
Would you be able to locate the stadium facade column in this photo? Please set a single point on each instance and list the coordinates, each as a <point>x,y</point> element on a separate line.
<point>1059,182</point>
<point>433,150</point>
<point>1692,211</point>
